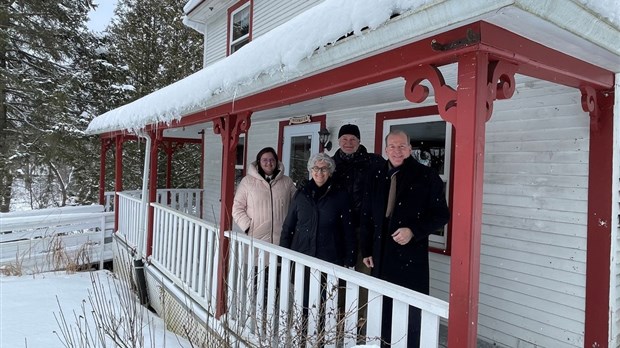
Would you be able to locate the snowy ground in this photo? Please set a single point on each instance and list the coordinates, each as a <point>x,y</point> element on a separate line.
<point>29,304</point>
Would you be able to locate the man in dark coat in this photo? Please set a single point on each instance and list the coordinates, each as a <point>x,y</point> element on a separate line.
<point>353,163</point>
<point>405,204</point>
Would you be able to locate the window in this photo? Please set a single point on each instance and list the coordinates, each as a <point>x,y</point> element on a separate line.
<point>239,25</point>
<point>240,160</point>
<point>431,142</point>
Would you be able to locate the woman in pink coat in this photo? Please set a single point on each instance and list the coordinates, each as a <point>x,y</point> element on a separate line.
<point>262,198</point>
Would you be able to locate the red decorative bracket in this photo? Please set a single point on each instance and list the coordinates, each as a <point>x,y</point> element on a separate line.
<point>501,83</point>
<point>240,123</point>
<point>445,96</point>
<point>589,104</point>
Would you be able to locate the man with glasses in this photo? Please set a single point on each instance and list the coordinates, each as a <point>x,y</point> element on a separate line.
<point>405,204</point>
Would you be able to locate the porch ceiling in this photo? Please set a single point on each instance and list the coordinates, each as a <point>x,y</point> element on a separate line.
<point>562,25</point>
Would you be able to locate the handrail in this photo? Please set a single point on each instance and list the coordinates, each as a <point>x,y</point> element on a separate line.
<point>186,250</point>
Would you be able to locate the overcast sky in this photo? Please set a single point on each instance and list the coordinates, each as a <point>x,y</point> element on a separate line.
<point>100,18</point>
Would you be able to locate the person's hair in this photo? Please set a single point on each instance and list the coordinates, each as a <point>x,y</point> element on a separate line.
<point>398,132</point>
<point>322,157</point>
<point>260,154</point>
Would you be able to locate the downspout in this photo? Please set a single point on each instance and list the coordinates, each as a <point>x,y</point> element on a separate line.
<point>145,190</point>
<point>138,262</point>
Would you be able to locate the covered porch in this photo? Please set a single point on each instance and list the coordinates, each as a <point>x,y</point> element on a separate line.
<point>468,69</point>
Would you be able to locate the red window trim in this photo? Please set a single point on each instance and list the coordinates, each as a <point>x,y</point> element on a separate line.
<point>230,11</point>
<point>320,118</point>
<point>418,112</point>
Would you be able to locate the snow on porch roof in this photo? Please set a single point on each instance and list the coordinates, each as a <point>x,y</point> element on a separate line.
<point>277,57</point>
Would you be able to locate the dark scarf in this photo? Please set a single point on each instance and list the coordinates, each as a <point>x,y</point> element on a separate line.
<point>317,192</point>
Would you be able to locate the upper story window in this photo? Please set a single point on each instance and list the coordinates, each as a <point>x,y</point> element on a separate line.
<point>239,25</point>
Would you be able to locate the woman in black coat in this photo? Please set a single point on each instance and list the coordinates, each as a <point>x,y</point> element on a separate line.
<point>318,223</point>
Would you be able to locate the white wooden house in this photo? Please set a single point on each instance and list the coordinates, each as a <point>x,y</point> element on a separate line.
<point>515,100</point>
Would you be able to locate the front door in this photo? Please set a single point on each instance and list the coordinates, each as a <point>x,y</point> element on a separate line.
<point>300,142</point>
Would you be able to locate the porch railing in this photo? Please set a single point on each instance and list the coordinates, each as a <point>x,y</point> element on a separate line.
<point>186,200</point>
<point>270,290</point>
<point>131,221</point>
<point>185,249</point>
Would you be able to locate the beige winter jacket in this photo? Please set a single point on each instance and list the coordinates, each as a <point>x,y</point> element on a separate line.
<point>260,207</point>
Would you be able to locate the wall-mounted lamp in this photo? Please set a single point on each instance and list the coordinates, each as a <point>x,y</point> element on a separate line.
<point>324,139</point>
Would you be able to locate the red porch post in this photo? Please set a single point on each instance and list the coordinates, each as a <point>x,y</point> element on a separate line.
<point>229,128</point>
<point>118,175</point>
<point>468,108</point>
<point>169,149</point>
<point>600,222</point>
<point>471,115</point>
<point>156,136</point>
<point>105,145</point>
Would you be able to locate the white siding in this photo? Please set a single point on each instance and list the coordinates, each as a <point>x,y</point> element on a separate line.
<point>532,282</point>
<point>215,39</point>
<point>268,14</point>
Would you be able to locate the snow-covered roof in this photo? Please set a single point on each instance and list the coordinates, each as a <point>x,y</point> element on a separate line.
<point>290,51</point>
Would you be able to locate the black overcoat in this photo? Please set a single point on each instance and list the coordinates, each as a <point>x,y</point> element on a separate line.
<point>420,205</point>
<point>351,175</point>
<point>320,226</point>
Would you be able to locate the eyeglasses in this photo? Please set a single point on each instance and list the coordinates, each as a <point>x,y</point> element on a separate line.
<point>320,169</point>
<point>268,160</point>
<point>401,147</point>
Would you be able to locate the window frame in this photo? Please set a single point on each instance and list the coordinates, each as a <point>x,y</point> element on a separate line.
<point>232,11</point>
<point>385,120</point>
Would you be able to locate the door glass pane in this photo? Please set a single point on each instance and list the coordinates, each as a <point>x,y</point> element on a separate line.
<point>300,153</point>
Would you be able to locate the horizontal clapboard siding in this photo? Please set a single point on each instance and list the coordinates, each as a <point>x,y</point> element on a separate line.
<point>268,14</point>
<point>533,255</point>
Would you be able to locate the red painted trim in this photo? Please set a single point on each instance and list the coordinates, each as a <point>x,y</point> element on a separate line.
<point>417,112</point>
<point>105,145</point>
<point>169,149</point>
<point>600,223</point>
<point>318,118</point>
<point>232,9</point>
<point>467,203</point>
<point>541,61</point>
<point>281,126</point>
<point>118,175</point>
<point>229,159</point>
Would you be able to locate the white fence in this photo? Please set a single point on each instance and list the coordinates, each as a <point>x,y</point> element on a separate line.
<point>185,200</point>
<point>270,289</point>
<point>47,239</point>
